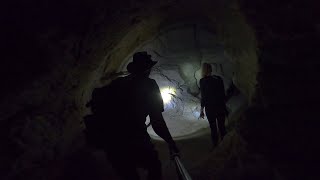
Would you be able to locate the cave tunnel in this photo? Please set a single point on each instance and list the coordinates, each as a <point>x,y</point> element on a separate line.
<point>54,53</point>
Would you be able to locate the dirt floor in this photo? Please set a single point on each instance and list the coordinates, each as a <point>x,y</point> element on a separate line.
<point>229,160</point>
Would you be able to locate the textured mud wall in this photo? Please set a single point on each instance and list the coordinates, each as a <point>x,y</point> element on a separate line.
<point>55,53</point>
<point>286,109</point>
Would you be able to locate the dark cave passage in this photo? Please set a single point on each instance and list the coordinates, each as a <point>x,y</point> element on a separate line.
<point>180,49</point>
<point>56,53</point>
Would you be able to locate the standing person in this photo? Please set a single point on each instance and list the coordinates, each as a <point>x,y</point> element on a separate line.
<point>213,101</point>
<point>128,144</point>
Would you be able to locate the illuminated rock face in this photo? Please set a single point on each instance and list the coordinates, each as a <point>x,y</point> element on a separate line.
<point>56,52</point>
<point>180,51</point>
<point>181,110</point>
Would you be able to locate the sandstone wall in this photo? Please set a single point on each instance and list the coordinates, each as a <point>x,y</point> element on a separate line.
<point>57,51</point>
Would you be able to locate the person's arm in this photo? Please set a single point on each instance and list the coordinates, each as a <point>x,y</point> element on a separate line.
<point>156,119</point>
<point>160,127</point>
<point>224,96</point>
<point>230,91</point>
<point>223,90</point>
<point>202,99</point>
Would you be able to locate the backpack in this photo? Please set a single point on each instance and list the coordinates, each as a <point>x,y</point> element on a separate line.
<point>102,104</point>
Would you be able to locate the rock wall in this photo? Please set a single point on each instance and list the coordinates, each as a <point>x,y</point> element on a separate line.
<point>55,53</point>
<point>285,110</point>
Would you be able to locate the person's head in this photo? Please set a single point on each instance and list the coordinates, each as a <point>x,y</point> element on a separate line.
<point>206,69</point>
<point>141,64</point>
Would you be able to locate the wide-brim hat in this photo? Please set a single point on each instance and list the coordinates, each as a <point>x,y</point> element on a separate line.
<point>141,62</point>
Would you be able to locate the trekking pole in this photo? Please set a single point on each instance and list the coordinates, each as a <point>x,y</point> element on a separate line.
<point>181,170</point>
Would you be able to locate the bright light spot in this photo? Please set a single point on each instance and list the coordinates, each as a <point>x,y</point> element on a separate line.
<point>167,94</point>
<point>196,114</point>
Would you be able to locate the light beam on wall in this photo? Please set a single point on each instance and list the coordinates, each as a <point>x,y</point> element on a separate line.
<point>167,94</point>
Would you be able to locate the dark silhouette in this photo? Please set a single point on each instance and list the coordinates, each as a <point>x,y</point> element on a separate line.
<point>127,143</point>
<point>213,100</point>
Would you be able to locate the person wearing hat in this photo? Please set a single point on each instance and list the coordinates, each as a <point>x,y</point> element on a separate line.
<point>141,97</point>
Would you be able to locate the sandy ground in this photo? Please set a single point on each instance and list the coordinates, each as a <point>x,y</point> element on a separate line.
<point>92,164</point>
<point>230,160</point>
<point>193,151</point>
<point>192,136</point>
